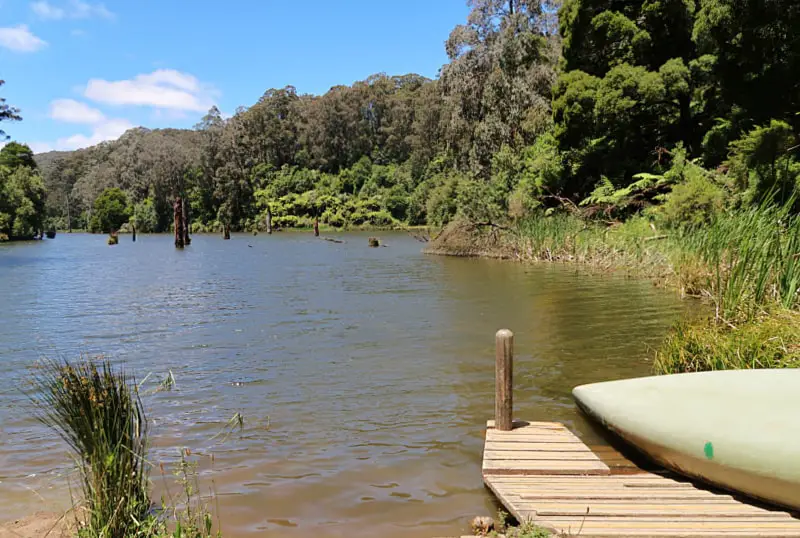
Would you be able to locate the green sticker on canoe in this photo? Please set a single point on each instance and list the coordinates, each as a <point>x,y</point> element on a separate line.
<point>709,450</point>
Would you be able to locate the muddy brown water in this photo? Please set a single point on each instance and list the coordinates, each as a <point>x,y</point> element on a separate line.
<point>364,376</point>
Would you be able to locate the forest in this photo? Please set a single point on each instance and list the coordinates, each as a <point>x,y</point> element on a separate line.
<point>671,108</point>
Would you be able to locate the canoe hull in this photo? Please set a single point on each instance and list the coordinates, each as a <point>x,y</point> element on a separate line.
<point>678,423</point>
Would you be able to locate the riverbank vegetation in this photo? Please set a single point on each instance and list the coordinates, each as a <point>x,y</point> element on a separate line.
<point>98,412</point>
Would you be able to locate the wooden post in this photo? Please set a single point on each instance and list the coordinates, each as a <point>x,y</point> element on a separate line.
<point>504,370</point>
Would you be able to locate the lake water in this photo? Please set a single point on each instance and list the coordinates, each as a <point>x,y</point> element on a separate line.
<point>364,376</point>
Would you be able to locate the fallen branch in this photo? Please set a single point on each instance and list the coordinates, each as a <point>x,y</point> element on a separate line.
<point>332,240</point>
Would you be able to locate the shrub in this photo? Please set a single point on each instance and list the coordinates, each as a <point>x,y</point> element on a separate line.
<point>769,342</point>
<point>111,211</point>
<point>285,221</point>
<point>693,202</point>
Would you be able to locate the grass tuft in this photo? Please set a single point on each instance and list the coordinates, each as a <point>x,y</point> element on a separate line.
<point>102,420</point>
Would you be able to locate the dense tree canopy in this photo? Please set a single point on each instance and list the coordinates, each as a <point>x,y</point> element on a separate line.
<point>598,104</point>
<point>22,194</point>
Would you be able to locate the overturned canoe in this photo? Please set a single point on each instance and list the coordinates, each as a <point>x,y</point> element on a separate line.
<point>737,429</point>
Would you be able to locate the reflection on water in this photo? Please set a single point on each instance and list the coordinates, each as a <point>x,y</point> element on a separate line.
<point>365,376</point>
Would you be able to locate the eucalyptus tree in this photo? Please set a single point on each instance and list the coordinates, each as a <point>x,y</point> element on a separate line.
<point>498,81</point>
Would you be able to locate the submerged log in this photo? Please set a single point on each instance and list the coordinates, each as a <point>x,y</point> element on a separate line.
<point>177,208</point>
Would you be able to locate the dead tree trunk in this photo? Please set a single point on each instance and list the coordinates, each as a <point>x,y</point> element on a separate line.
<point>269,220</point>
<point>177,208</point>
<point>316,226</point>
<point>226,231</point>
<point>133,231</point>
<point>185,230</point>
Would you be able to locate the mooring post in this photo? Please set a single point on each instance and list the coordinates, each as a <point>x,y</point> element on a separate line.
<point>504,371</point>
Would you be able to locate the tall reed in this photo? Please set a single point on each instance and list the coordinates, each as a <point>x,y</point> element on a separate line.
<point>753,261</point>
<point>99,414</point>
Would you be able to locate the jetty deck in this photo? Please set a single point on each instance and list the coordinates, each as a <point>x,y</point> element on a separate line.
<point>542,472</point>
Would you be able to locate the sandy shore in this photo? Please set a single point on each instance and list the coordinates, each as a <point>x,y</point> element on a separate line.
<point>38,525</point>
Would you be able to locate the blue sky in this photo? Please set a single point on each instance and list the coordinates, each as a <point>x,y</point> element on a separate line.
<point>82,71</point>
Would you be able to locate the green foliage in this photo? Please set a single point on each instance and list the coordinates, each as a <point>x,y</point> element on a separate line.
<point>145,217</point>
<point>764,165</point>
<point>751,259</point>
<point>22,203</point>
<point>15,155</point>
<point>111,211</point>
<point>768,342</point>
<point>441,206</point>
<point>694,202</point>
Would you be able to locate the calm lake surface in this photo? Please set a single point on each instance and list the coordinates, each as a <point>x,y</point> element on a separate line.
<point>364,376</point>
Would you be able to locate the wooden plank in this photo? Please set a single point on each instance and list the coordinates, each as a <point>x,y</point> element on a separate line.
<point>601,496</point>
<point>522,455</point>
<point>682,510</point>
<point>554,446</point>
<point>671,522</point>
<point>530,437</point>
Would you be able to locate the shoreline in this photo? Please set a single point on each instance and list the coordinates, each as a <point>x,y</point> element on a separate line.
<point>37,525</point>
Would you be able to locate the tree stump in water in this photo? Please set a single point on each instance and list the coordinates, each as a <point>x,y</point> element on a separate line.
<point>374,242</point>
<point>316,226</point>
<point>185,222</point>
<point>177,209</point>
<point>133,231</point>
<point>269,220</point>
<point>113,238</point>
<point>226,231</point>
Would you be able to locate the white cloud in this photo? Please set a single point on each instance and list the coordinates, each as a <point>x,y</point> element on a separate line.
<point>47,11</point>
<point>72,111</point>
<point>20,39</point>
<point>76,9</point>
<point>40,147</point>
<point>110,129</point>
<point>163,88</point>
<point>77,32</point>
<point>83,10</point>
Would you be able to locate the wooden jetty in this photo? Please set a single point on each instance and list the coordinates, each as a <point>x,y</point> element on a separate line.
<point>542,472</point>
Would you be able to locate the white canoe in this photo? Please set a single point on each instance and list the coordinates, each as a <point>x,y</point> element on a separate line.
<point>737,429</point>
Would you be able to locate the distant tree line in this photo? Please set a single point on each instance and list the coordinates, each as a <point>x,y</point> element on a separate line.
<point>613,107</point>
